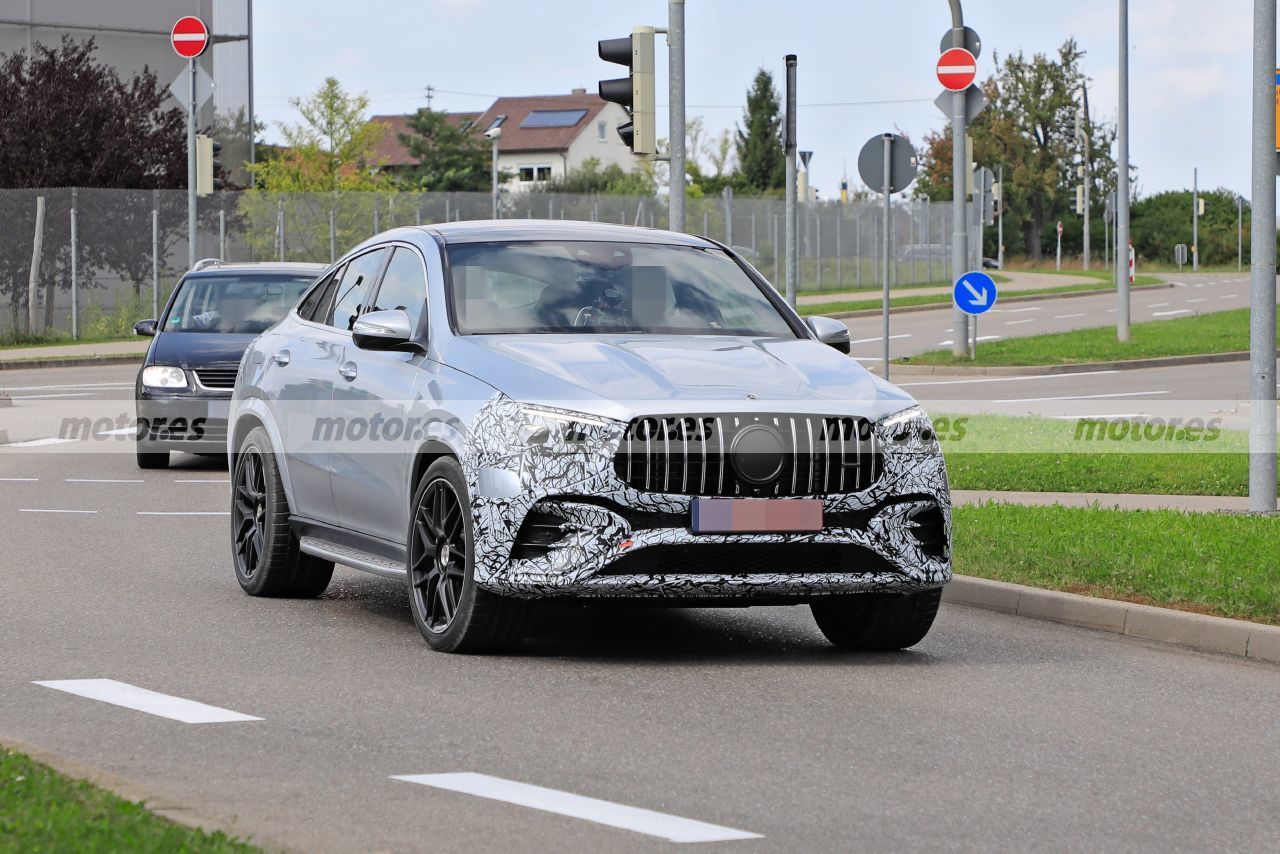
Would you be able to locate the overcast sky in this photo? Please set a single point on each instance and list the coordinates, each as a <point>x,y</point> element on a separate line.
<point>1190,64</point>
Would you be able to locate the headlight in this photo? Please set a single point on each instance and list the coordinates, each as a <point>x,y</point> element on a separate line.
<point>561,429</point>
<point>164,376</point>
<point>907,424</point>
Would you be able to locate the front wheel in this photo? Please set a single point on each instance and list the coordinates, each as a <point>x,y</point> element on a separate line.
<point>453,614</point>
<point>267,559</point>
<point>877,621</point>
<point>151,459</point>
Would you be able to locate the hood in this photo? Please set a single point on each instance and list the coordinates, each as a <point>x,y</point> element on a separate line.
<point>622,376</point>
<point>198,349</point>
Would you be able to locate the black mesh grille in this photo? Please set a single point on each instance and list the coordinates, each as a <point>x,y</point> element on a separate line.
<point>750,559</point>
<point>217,377</point>
<point>692,455</point>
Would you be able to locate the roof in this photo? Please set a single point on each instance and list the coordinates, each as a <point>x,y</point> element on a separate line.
<point>268,267</point>
<point>516,138</point>
<point>481,231</point>
<point>391,151</point>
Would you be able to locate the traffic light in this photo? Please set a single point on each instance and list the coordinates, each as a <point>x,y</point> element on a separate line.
<point>636,92</point>
<point>1080,199</point>
<point>1200,206</point>
<point>208,167</point>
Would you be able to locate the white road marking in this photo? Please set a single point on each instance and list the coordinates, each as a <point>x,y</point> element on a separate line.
<point>39,443</point>
<point>1171,313</point>
<point>202,481</point>
<point>18,479</point>
<point>981,338</point>
<point>1011,379</point>
<point>1111,311</point>
<point>1229,296</point>
<point>39,510</point>
<point>1066,316</point>
<point>141,700</point>
<point>1198,299</point>
<point>123,431</point>
<point>1159,304</point>
<point>881,338</point>
<point>1126,415</point>
<point>98,480</point>
<point>639,820</point>
<point>65,386</point>
<point>1081,397</point>
<point>184,512</point>
<point>51,396</point>
<point>1016,322</point>
<point>1019,310</point>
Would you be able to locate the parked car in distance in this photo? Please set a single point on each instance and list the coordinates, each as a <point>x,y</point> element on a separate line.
<point>492,412</point>
<point>184,386</point>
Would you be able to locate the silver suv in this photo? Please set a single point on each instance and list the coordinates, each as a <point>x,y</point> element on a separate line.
<point>493,412</point>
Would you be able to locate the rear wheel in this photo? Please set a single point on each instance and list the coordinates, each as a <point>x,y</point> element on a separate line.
<point>267,559</point>
<point>151,459</point>
<point>877,621</point>
<point>453,614</point>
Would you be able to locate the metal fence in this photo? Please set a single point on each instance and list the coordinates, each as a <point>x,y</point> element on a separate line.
<point>109,257</point>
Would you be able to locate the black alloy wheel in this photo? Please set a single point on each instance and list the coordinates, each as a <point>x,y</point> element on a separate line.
<point>439,555</point>
<point>248,513</point>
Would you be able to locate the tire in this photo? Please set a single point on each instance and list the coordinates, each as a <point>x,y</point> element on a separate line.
<point>877,621</point>
<point>151,459</point>
<point>264,550</point>
<point>451,612</point>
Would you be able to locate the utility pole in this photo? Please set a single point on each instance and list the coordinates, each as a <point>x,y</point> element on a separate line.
<point>675,74</point>
<point>1122,173</point>
<point>191,168</point>
<point>959,236</point>
<point>1000,219</point>
<point>1239,233</point>
<point>1086,168</point>
<point>1262,302</point>
<point>793,267</point>
<point>1195,219</point>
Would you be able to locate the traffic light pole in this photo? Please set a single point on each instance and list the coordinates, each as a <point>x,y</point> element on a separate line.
<point>675,55</point>
<point>1122,182</point>
<point>959,217</point>
<point>789,211</point>
<point>191,170</point>
<point>1195,219</point>
<point>1262,307</point>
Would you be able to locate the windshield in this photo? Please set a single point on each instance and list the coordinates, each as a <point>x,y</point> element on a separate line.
<point>588,287</point>
<point>245,304</point>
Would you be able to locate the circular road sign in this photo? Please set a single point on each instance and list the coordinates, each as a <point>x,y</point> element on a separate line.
<point>902,162</point>
<point>957,68</point>
<point>189,37</point>
<point>975,292</point>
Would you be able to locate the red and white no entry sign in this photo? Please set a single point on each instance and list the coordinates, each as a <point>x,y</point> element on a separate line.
<point>956,69</point>
<point>189,37</point>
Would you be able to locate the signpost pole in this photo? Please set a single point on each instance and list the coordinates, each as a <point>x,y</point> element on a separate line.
<point>1262,305</point>
<point>191,169</point>
<point>1122,180</point>
<point>675,73</point>
<point>793,267</point>
<point>1195,219</point>
<point>959,236</point>
<point>884,247</point>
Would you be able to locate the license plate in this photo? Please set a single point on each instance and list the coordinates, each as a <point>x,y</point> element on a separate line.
<point>756,515</point>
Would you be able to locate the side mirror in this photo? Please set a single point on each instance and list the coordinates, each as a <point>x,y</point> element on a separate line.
<point>146,328</point>
<point>830,331</point>
<point>384,330</point>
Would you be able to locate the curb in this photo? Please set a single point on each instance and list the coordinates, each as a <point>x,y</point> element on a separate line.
<point>72,361</point>
<point>1082,368</point>
<point>1025,297</point>
<point>1240,638</point>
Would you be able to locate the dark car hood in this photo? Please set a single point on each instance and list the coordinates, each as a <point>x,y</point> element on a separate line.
<point>198,349</point>
<point>621,376</point>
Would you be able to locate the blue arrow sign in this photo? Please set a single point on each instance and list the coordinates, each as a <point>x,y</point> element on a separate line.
<point>975,293</point>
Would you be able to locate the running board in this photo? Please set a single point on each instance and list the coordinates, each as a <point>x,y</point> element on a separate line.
<point>355,558</point>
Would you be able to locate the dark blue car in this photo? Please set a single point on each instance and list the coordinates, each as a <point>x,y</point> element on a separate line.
<point>185,383</point>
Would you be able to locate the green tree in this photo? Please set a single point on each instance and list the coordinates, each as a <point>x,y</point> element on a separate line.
<point>612,180</point>
<point>1162,221</point>
<point>761,159</point>
<point>451,156</point>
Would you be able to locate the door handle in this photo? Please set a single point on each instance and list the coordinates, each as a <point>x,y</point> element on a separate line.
<point>281,358</point>
<point>347,370</point>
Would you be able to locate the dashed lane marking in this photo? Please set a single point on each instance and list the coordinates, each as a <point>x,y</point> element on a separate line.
<point>1198,299</point>
<point>881,338</point>
<point>1067,316</point>
<point>662,825</point>
<point>142,700</point>
<point>66,386</point>
<point>45,510</point>
<point>1010,379</point>
<point>39,443</point>
<point>184,512</point>
<point>18,479</point>
<point>1171,313</point>
<point>1081,397</point>
<point>99,480</point>
<point>1017,322</point>
<point>201,481</point>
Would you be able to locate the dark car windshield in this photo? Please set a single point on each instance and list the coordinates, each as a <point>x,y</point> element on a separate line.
<point>598,287</point>
<point>244,303</point>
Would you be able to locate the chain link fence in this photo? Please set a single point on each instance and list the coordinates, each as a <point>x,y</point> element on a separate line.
<point>109,257</point>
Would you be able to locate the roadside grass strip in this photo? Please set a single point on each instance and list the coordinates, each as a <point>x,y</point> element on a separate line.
<point>635,819</point>
<point>945,299</point>
<point>1208,563</point>
<point>1086,454</point>
<point>1219,332</point>
<point>152,702</point>
<point>41,810</point>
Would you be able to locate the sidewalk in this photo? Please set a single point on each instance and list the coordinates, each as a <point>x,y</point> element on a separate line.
<point>1018,281</point>
<point>71,355</point>
<point>1106,501</point>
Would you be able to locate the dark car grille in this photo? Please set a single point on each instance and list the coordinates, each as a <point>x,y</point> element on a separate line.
<point>750,559</point>
<point>749,455</point>
<point>217,377</point>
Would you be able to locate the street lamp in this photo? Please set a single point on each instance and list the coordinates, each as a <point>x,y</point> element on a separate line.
<point>493,134</point>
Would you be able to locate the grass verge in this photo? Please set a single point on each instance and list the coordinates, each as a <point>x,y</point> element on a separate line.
<point>945,299</point>
<point>41,810</point>
<point>1219,332</point>
<point>1203,562</point>
<point>1008,453</point>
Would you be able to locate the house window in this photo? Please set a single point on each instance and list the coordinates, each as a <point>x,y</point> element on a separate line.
<point>535,173</point>
<point>602,131</point>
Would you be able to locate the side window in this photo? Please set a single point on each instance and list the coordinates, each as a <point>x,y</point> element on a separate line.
<point>354,286</point>
<point>307,307</point>
<point>404,285</point>
<point>316,306</point>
